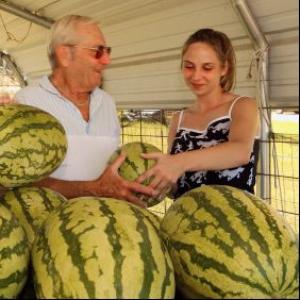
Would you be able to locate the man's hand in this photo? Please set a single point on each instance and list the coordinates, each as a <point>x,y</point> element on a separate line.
<point>111,184</point>
<point>5,99</point>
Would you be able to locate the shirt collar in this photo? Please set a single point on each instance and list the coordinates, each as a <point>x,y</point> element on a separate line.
<point>47,85</point>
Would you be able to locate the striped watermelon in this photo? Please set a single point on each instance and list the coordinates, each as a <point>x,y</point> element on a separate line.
<point>227,243</point>
<point>101,248</point>
<point>14,255</point>
<point>134,165</point>
<point>32,144</point>
<point>31,206</point>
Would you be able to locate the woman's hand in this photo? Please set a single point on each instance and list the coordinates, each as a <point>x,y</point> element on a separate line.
<point>164,173</point>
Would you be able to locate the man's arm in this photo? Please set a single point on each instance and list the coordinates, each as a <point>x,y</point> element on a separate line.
<point>110,184</point>
<point>5,99</point>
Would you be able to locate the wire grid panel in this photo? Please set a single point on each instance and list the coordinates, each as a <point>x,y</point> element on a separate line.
<point>284,177</point>
<point>149,126</point>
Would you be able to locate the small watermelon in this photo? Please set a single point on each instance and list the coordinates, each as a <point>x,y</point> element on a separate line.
<point>14,255</point>
<point>134,165</point>
<point>31,206</point>
<point>32,144</point>
<point>101,248</point>
<point>228,243</point>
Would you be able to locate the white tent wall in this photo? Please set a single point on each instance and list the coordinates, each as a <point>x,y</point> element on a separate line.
<point>146,64</point>
<point>147,37</point>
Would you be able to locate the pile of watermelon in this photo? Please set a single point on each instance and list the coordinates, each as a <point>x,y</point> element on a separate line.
<point>88,247</point>
<point>213,242</point>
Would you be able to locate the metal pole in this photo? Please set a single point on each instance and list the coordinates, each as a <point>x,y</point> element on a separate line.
<point>261,46</point>
<point>25,14</point>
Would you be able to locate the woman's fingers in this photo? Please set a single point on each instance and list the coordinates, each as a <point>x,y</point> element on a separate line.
<point>152,155</point>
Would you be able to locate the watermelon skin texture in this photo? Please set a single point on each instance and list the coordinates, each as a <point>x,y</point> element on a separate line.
<point>31,206</point>
<point>134,165</point>
<point>14,255</point>
<point>32,144</point>
<point>227,243</point>
<point>103,248</point>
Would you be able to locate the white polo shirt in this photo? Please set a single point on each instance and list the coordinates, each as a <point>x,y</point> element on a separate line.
<point>90,144</point>
<point>103,115</point>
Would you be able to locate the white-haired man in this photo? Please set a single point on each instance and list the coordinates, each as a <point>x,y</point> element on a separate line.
<point>78,55</point>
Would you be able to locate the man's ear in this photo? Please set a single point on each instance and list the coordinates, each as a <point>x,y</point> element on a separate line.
<point>63,55</point>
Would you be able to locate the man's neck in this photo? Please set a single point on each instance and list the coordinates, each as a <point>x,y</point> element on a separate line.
<point>68,88</point>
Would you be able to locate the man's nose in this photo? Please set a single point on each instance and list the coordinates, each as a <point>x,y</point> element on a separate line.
<point>105,58</point>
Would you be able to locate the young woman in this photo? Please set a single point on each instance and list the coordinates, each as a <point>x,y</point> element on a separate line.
<point>213,140</point>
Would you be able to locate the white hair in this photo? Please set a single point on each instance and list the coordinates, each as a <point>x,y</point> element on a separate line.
<point>63,32</point>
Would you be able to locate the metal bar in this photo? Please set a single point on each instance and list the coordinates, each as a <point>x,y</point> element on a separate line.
<point>261,45</point>
<point>25,14</point>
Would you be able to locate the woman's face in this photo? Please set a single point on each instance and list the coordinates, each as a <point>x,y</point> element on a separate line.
<point>202,69</point>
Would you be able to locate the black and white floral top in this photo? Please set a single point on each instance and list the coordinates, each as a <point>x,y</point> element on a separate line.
<point>216,132</point>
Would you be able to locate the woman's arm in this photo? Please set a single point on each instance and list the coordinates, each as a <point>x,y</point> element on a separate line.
<point>235,152</point>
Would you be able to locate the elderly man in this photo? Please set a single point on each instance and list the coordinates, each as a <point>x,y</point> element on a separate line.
<point>78,55</point>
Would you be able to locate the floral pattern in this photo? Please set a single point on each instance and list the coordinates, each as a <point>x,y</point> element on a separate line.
<point>217,131</point>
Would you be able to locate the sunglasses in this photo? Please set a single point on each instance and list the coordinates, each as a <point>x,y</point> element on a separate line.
<point>99,50</point>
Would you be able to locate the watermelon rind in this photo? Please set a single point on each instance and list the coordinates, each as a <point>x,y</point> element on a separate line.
<point>14,255</point>
<point>227,243</point>
<point>101,248</point>
<point>33,144</point>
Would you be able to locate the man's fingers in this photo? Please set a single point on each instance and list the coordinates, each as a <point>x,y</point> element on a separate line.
<point>118,162</point>
<point>141,189</point>
<point>135,200</point>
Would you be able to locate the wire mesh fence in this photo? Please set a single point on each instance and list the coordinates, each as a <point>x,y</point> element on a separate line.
<point>151,126</point>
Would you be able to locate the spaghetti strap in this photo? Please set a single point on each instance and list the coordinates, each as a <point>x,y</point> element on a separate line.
<point>232,104</point>
<point>179,119</point>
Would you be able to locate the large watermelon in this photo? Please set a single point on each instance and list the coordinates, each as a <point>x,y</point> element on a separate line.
<point>14,255</point>
<point>101,248</point>
<point>31,206</point>
<point>134,165</point>
<point>32,144</point>
<point>227,243</point>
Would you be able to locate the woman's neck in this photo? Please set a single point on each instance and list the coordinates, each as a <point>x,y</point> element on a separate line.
<point>211,100</point>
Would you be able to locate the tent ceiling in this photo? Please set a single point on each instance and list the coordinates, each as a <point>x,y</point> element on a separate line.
<point>146,36</point>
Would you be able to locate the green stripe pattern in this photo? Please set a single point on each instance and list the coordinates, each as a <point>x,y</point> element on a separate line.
<point>134,165</point>
<point>228,243</point>
<point>32,144</point>
<point>14,255</point>
<point>31,206</point>
<point>101,248</point>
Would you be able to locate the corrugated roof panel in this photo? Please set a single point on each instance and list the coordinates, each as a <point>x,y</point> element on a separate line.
<point>147,37</point>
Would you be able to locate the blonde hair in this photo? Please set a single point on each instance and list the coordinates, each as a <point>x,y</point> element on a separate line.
<point>220,42</point>
<point>63,32</point>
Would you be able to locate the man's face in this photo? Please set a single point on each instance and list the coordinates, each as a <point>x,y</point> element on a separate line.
<point>85,66</point>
